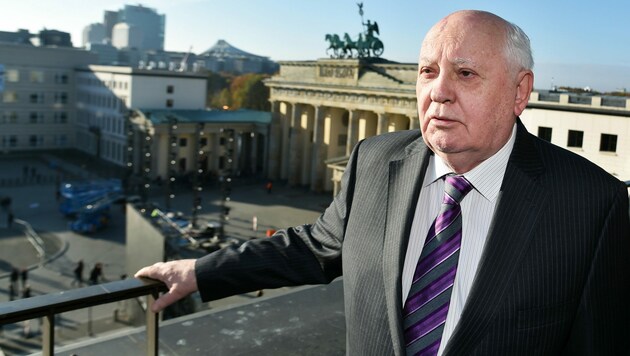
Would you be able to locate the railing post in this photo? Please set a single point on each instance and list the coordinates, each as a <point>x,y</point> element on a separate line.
<point>48,335</point>
<point>152,326</point>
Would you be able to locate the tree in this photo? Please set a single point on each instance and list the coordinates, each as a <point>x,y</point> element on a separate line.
<point>246,91</point>
<point>216,84</point>
<point>249,92</point>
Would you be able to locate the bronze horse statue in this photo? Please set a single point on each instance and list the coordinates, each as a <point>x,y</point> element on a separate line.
<point>336,45</point>
<point>366,45</point>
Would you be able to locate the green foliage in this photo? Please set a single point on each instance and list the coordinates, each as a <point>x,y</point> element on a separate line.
<point>216,84</point>
<point>246,91</point>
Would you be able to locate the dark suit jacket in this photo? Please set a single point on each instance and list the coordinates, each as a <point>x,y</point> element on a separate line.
<point>554,277</point>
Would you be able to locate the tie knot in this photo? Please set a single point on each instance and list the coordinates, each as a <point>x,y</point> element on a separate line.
<point>457,187</point>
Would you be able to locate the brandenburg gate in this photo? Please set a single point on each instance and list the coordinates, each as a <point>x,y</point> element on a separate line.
<point>322,108</point>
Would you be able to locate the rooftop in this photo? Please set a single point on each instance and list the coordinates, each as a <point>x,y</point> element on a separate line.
<point>222,49</point>
<point>207,116</point>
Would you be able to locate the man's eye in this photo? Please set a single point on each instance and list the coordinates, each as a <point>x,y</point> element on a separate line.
<point>467,73</point>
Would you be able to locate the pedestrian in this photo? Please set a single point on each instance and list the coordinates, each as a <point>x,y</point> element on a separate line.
<point>268,187</point>
<point>96,273</point>
<point>78,274</point>
<point>12,293</point>
<point>26,331</point>
<point>15,275</point>
<point>26,292</point>
<point>24,275</point>
<point>10,219</point>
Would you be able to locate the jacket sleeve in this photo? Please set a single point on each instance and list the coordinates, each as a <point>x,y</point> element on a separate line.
<point>306,254</point>
<point>602,323</point>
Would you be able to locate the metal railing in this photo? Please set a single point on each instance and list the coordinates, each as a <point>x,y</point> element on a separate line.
<point>33,238</point>
<point>48,305</point>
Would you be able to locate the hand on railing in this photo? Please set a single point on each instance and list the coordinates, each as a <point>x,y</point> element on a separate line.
<point>179,277</point>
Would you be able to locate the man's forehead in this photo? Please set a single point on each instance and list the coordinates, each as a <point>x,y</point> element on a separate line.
<point>454,60</point>
<point>461,47</point>
<point>455,50</point>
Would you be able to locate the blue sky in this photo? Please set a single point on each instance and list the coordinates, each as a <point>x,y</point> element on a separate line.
<point>578,43</point>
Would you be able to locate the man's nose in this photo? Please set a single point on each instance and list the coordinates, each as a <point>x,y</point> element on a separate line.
<point>442,89</point>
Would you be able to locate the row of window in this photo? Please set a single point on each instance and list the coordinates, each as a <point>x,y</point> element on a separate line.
<point>34,117</point>
<point>13,75</point>
<point>32,141</point>
<point>203,141</point>
<point>96,82</point>
<point>10,96</point>
<point>575,139</point>
<point>113,124</point>
<point>108,100</point>
<point>110,150</point>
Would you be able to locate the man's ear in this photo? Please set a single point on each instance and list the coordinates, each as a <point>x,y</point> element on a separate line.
<point>525,84</point>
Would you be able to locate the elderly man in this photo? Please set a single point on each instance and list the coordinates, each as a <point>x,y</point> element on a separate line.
<point>474,238</point>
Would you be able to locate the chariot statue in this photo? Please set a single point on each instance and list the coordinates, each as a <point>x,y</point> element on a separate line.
<point>366,45</point>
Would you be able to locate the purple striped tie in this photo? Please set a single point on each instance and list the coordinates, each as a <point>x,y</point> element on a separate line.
<point>426,307</point>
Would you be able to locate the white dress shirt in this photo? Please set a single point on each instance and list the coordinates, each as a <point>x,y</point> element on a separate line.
<point>477,211</point>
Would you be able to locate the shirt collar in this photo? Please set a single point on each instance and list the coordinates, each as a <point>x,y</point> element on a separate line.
<point>486,178</point>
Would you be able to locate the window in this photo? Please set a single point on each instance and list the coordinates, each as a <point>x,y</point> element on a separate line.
<point>61,117</point>
<point>170,89</point>
<point>608,143</point>
<point>61,78</point>
<point>183,142</point>
<point>60,140</point>
<point>575,138</point>
<point>61,98</point>
<point>37,76</point>
<point>36,117</point>
<point>13,75</point>
<point>9,97</point>
<point>544,133</point>
<point>10,117</point>
<point>35,140</point>
<point>203,142</point>
<point>12,141</point>
<point>169,103</point>
<point>36,98</point>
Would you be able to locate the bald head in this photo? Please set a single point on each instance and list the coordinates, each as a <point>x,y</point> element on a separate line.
<point>513,40</point>
<point>474,80</point>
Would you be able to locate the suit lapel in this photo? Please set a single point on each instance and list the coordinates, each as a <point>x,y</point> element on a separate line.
<point>519,205</point>
<point>405,180</point>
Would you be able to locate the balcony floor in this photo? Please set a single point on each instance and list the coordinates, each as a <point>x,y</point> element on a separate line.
<point>305,321</point>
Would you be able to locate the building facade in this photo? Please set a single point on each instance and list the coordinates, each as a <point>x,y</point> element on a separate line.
<point>148,21</point>
<point>106,93</point>
<point>94,33</point>
<point>212,141</point>
<point>38,104</point>
<point>595,127</point>
<point>326,106</point>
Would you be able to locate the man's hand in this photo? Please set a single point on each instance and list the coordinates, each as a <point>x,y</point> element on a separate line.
<point>179,277</point>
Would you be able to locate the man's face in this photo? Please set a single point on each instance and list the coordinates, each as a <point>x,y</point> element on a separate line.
<point>467,93</point>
